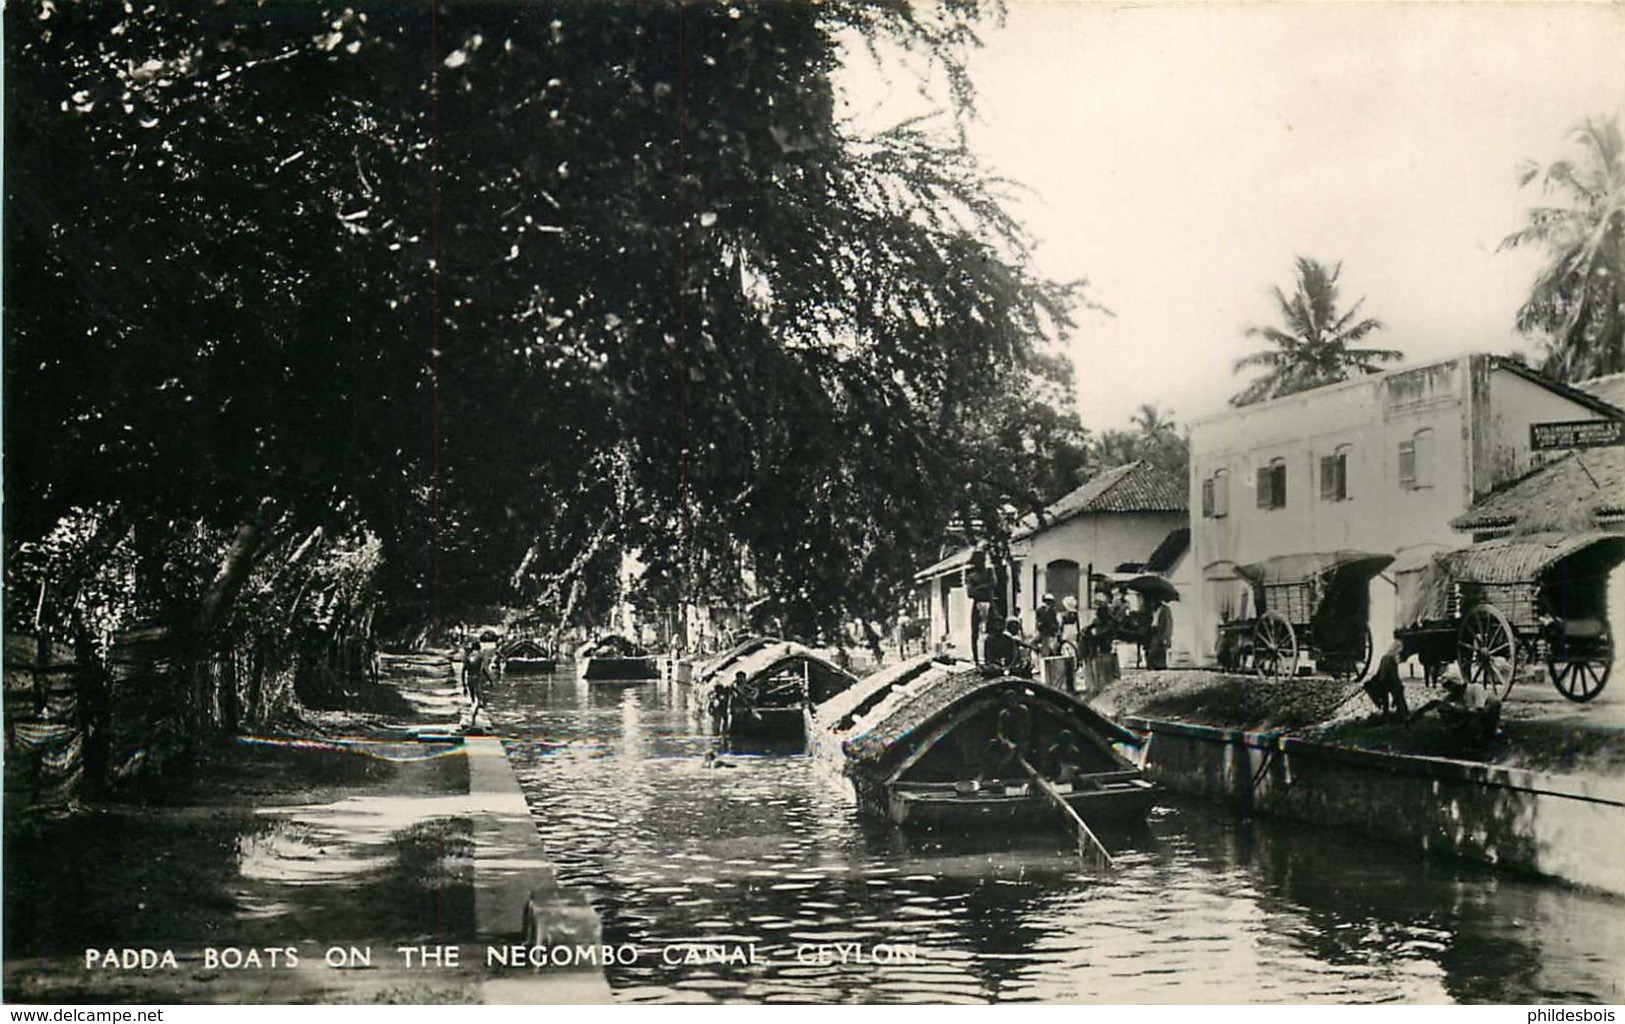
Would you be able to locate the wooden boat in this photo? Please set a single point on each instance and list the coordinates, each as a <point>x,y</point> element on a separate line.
<point>934,742</point>
<point>615,659</point>
<point>526,656</point>
<point>785,678</point>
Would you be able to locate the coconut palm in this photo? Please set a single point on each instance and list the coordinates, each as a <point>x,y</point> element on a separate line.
<point>1316,346</point>
<point>1577,304</point>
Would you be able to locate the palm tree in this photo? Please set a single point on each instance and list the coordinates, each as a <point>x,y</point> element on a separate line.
<point>1577,304</point>
<point>1315,348</point>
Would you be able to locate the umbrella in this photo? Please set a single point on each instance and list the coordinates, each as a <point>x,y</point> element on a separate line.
<point>1148,583</point>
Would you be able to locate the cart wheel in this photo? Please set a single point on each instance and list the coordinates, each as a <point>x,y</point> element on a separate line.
<point>1580,679</point>
<point>1488,651</point>
<point>1275,646</point>
<point>1363,665</point>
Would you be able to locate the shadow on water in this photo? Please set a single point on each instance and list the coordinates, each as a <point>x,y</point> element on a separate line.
<point>1203,907</point>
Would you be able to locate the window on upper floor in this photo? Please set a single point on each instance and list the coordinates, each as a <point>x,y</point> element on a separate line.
<point>1416,461</point>
<point>1221,494</point>
<point>1272,484</point>
<point>1334,474</point>
<point>1207,498</point>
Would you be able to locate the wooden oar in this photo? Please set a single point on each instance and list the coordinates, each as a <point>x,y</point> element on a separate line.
<point>1090,848</point>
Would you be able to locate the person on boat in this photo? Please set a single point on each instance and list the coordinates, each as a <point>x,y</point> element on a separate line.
<point>1066,758</point>
<point>1160,635</point>
<point>1008,745</point>
<point>1049,627</point>
<point>742,698</point>
<point>981,587</point>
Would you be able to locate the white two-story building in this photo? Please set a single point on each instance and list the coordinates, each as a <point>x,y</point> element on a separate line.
<point>1381,463</point>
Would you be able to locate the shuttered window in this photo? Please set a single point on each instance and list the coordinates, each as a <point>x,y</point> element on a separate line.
<point>1407,465</point>
<point>1334,475</point>
<point>1207,498</point>
<point>1423,447</point>
<point>1221,494</point>
<point>1272,484</point>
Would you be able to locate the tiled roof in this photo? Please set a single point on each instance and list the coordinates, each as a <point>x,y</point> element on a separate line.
<point>1136,487</point>
<point>1574,493</point>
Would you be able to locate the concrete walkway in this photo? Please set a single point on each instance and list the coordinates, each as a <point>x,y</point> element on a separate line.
<point>387,858</point>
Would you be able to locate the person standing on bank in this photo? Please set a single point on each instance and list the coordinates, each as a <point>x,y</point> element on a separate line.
<point>1049,627</point>
<point>981,587</point>
<point>1160,635</point>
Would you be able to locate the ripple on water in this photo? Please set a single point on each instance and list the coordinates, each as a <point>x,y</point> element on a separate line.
<point>1203,909</point>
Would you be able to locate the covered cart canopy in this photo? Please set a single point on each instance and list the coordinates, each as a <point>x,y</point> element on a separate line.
<point>1527,559</point>
<point>1426,586</point>
<point>1301,568</point>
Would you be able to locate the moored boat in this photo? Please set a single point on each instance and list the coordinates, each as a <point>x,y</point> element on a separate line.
<point>765,689</point>
<point>934,742</point>
<point>615,659</point>
<point>527,656</point>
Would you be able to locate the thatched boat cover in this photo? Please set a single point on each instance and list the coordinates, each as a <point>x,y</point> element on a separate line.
<point>836,712</point>
<point>940,691</point>
<point>1302,568</point>
<point>733,654</point>
<point>765,660</point>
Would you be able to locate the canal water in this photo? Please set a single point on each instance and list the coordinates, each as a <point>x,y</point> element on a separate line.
<point>769,852</point>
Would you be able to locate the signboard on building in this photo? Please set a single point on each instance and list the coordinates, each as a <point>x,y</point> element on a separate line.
<point>1545,437</point>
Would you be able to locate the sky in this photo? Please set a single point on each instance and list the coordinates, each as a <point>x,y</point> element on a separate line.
<point>1179,158</point>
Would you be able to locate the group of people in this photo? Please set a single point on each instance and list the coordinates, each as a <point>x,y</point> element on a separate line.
<point>997,640</point>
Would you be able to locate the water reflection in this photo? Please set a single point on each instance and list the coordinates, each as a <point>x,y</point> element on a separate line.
<point>767,849</point>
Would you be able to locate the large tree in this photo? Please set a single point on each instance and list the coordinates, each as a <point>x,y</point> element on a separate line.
<point>1576,307</point>
<point>515,287</point>
<point>1316,343</point>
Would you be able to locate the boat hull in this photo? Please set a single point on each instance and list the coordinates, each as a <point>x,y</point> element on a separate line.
<point>914,806</point>
<point>621,670</point>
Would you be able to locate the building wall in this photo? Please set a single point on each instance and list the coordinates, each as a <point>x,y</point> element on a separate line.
<point>1475,420</point>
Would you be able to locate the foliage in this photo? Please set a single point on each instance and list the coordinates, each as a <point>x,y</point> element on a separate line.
<point>1316,346</point>
<point>1156,439</point>
<point>604,278</point>
<point>1577,304</point>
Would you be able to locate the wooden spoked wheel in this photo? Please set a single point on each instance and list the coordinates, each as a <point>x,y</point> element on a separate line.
<point>1580,676</point>
<point>1275,646</point>
<point>1357,663</point>
<point>1487,651</point>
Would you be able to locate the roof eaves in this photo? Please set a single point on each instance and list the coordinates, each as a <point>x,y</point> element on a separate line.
<point>1557,387</point>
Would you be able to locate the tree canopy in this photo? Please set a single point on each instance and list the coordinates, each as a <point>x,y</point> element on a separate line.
<point>1316,344</point>
<point>516,289</point>
<point>1576,307</point>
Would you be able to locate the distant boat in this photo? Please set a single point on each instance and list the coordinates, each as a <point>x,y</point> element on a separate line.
<point>934,742</point>
<point>781,679</point>
<point>615,659</point>
<point>527,655</point>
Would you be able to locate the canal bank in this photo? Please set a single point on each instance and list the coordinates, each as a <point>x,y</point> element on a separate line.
<point>364,858</point>
<point>1536,798</point>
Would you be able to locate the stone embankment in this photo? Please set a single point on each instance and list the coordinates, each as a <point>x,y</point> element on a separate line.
<point>1543,794</point>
